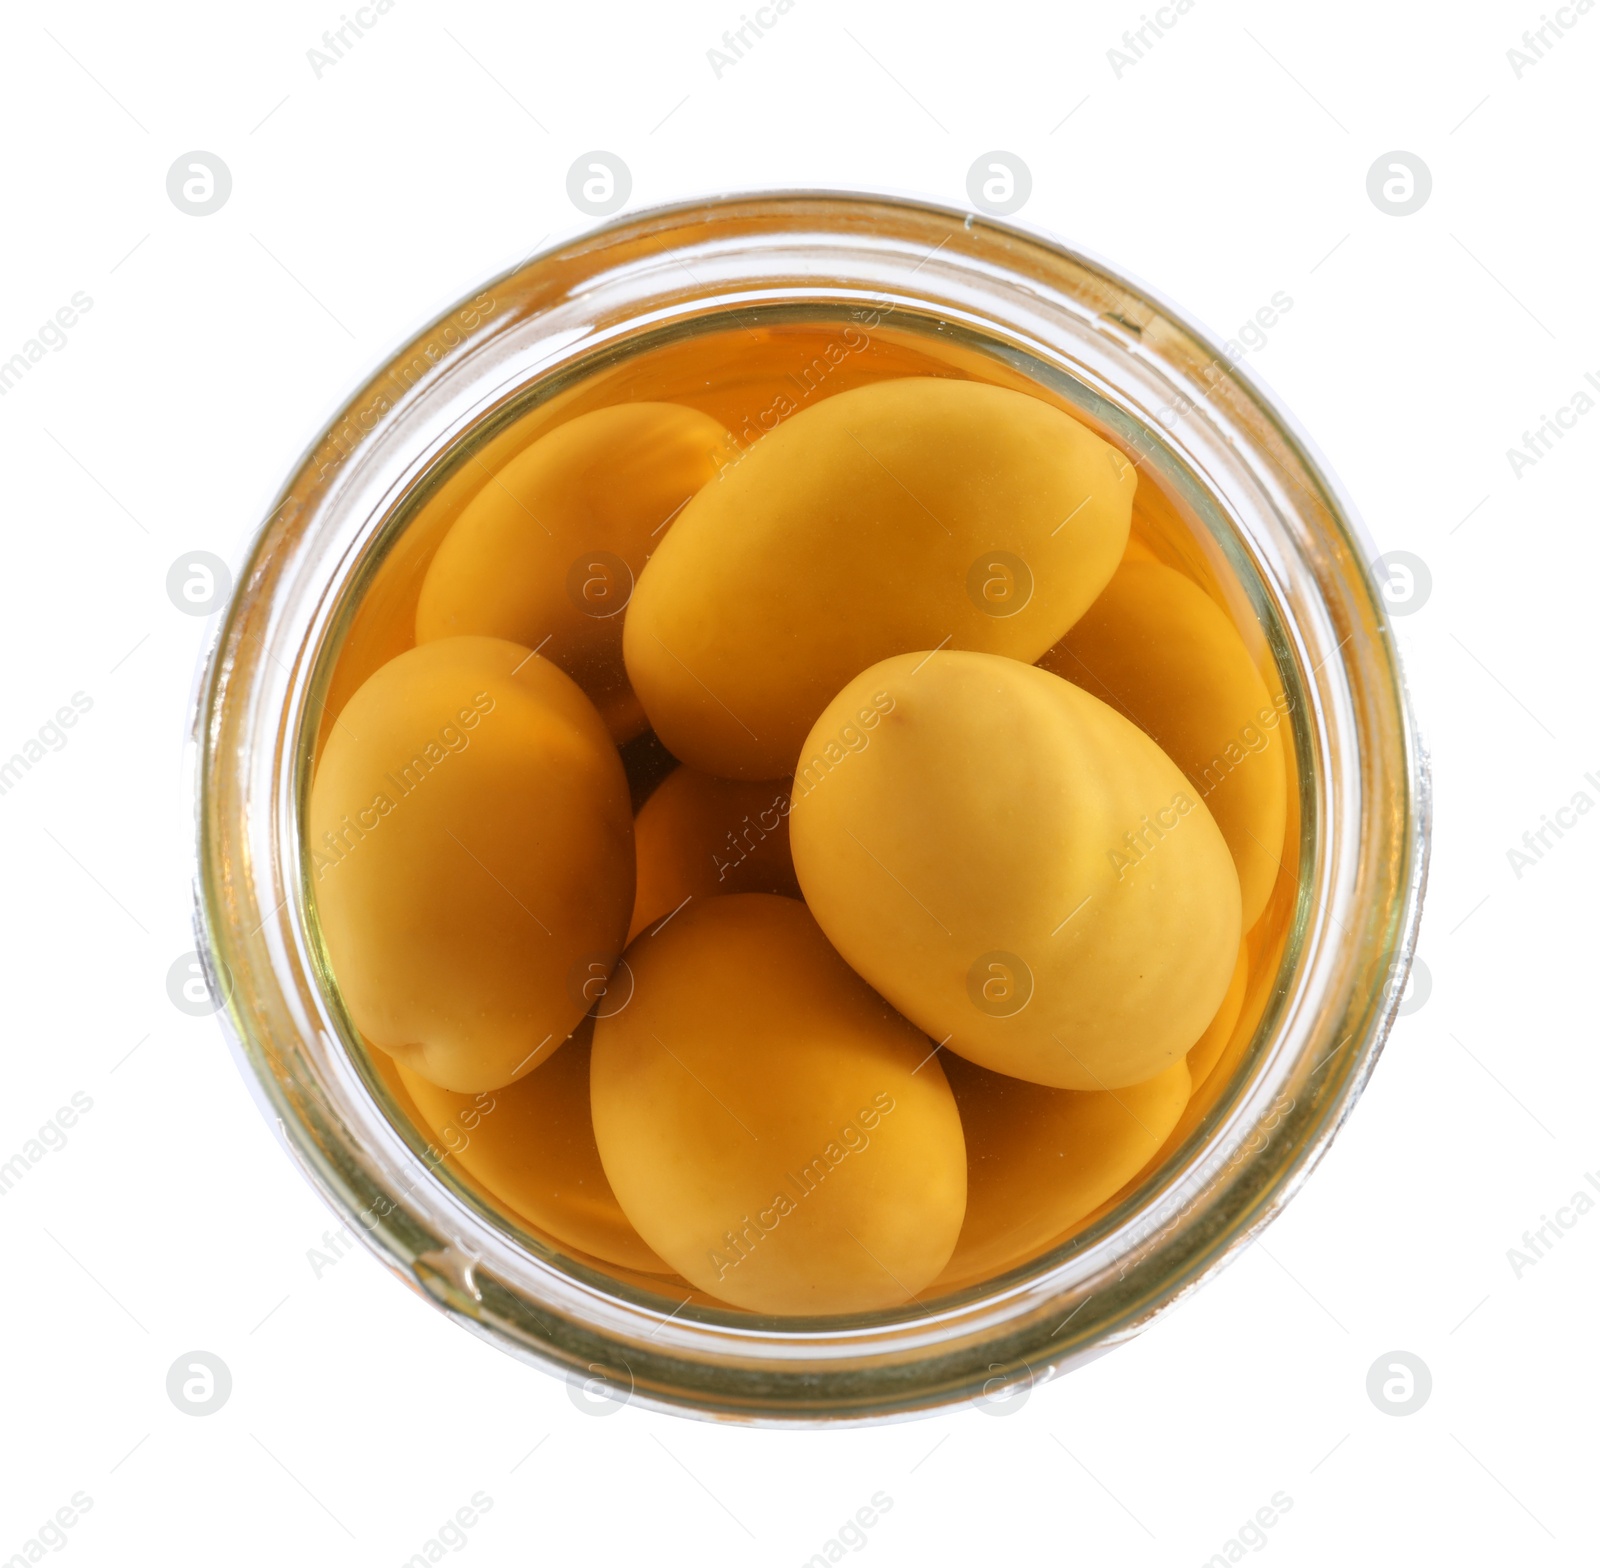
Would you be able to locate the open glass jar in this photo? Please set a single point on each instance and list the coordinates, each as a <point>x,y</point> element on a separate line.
<point>752,287</point>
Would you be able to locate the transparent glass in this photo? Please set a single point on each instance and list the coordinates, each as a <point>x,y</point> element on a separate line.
<point>1248,506</point>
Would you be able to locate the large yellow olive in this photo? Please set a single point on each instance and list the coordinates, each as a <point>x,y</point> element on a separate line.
<point>699,836</point>
<point>1039,1160</point>
<point>902,515</point>
<point>531,1146</point>
<point>1160,650</point>
<point>547,552</point>
<point>472,858</point>
<point>1018,868</point>
<point>772,1128</point>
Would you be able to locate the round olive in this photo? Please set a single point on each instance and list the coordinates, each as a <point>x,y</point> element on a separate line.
<point>471,856</point>
<point>699,836</point>
<point>1160,650</point>
<point>1040,1160</point>
<point>547,552</point>
<point>531,1146</point>
<point>1019,869</point>
<point>773,1128</point>
<point>897,516</point>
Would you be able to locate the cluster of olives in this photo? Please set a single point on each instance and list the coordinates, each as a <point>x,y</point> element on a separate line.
<point>917,955</point>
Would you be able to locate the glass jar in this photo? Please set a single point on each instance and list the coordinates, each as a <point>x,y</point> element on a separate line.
<point>1253,500</point>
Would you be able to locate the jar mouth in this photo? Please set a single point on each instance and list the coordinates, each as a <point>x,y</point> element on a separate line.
<point>1143,374</point>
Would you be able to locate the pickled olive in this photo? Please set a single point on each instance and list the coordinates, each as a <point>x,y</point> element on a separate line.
<point>472,858</point>
<point>1016,867</point>
<point>1162,653</point>
<point>773,1128</point>
<point>1204,1053</point>
<point>897,516</point>
<point>530,1145</point>
<point>1040,1160</point>
<point>699,836</point>
<point>546,554</point>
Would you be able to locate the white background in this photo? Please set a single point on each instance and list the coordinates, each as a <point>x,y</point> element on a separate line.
<point>1227,164</point>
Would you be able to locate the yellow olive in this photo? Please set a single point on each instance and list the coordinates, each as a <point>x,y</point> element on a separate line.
<point>700,836</point>
<point>546,554</point>
<point>896,516</point>
<point>531,1146</point>
<point>1204,1053</point>
<point>1040,1160</point>
<point>472,859</point>
<point>1160,651</point>
<point>773,1129</point>
<point>1016,867</point>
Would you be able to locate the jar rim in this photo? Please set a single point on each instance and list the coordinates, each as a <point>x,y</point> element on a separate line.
<point>1364,829</point>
